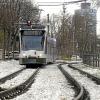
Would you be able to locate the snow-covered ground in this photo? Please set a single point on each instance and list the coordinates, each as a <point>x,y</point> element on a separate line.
<point>78,64</point>
<point>22,77</point>
<point>92,87</point>
<point>92,70</point>
<point>8,67</point>
<point>69,62</point>
<point>50,84</point>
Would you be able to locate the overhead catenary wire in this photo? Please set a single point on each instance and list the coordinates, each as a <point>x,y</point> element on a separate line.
<point>59,3</point>
<point>51,5</point>
<point>65,2</point>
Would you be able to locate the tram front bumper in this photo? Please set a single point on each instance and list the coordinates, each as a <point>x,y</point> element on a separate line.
<point>24,61</point>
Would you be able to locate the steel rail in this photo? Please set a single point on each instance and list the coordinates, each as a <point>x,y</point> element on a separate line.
<point>10,76</point>
<point>94,78</point>
<point>81,93</point>
<point>18,90</point>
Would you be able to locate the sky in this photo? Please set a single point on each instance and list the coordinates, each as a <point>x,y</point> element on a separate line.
<point>58,9</point>
<point>55,9</point>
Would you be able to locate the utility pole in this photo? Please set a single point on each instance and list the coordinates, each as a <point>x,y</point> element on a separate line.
<point>4,39</point>
<point>48,23</point>
<point>63,29</point>
<point>63,16</point>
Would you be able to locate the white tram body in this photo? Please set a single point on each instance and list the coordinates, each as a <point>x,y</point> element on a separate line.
<point>36,47</point>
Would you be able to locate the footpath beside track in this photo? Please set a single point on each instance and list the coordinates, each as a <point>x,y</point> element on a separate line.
<point>81,93</point>
<point>18,90</point>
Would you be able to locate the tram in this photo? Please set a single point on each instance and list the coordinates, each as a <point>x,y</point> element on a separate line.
<point>36,47</point>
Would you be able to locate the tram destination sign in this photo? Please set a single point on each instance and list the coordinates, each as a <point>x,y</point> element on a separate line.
<point>35,32</point>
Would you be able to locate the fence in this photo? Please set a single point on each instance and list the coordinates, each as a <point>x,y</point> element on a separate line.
<point>1,54</point>
<point>92,59</point>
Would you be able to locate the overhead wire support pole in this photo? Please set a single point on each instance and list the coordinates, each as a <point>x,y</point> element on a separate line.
<point>63,16</point>
<point>48,23</point>
<point>64,11</point>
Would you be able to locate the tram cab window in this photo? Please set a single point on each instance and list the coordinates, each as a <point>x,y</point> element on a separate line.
<point>33,40</point>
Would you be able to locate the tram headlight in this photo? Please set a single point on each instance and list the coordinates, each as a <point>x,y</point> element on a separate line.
<point>24,55</point>
<point>40,55</point>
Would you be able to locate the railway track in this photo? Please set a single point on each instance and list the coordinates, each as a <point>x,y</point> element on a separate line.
<point>94,78</point>
<point>81,93</point>
<point>10,76</point>
<point>15,91</point>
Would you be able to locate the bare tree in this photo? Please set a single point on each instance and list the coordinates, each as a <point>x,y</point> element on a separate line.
<point>66,36</point>
<point>12,12</point>
<point>85,31</point>
<point>60,27</point>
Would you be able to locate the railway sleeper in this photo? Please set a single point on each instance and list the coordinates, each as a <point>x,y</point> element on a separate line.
<point>2,80</point>
<point>8,94</point>
<point>2,89</point>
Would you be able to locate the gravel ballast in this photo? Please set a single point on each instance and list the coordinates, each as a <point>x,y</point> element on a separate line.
<point>50,84</point>
<point>91,86</point>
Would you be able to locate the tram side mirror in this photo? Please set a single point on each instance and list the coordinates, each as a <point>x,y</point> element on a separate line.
<point>43,31</point>
<point>21,31</point>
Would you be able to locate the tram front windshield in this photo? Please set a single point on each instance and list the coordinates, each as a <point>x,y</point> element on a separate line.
<point>31,41</point>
